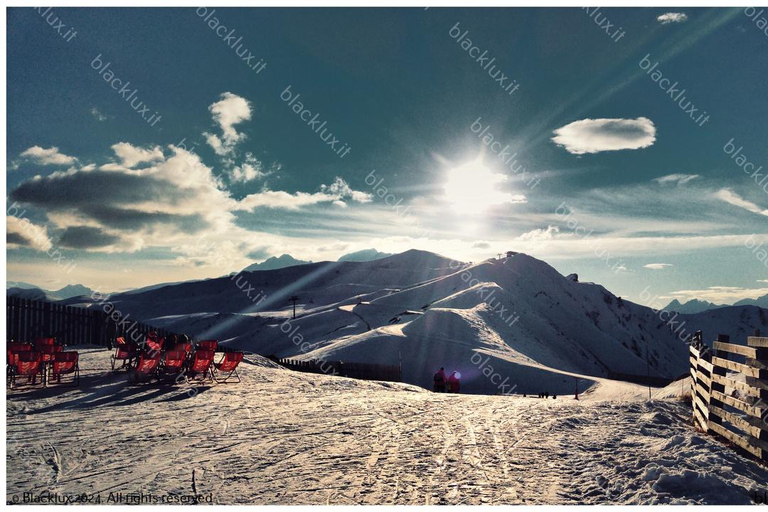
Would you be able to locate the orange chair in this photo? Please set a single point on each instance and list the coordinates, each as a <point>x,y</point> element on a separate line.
<point>208,345</point>
<point>124,351</point>
<point>174,362</point>
<point>29,365</point>
<point>200,364</point>
<point>65,363</point>
<point>228,365</point>
<point>147,366</point>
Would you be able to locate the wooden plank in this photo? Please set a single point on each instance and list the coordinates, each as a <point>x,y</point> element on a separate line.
<point>700,420</point>
<point>755,341</point>
<point>736,367</point>
<point>748,427</point>
<point>703,391</point>
<point>706,365</point>
<point>704,380</point>
<point>702,407</point>
<point>757,383</point>
<point>761,364</point>
<point>741,386</point>
<point>738,404</point>
<point>736,349</point>
<point>736,439</point>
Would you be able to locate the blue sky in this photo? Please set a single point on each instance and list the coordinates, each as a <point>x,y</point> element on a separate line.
<point>225,166</point>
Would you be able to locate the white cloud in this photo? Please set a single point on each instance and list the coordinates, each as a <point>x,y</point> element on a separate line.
<point>596,135</point>
<point>762,280</point>
<point>133,155</point>
<point>672,17</point>
<point>252,169</point>
<point>23,233</point>
<point>98,115</point>
<point>229,111</point>
<point>731,197</point>
<point>335,193</point>
<point>540,234</point>
<point>658,266</point>
<point>50,156</point>
<point>677,179</point>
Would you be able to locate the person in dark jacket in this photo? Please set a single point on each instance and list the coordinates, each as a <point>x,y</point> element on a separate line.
<point>439,379</point>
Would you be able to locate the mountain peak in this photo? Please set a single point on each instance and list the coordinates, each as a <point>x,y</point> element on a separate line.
<point>274,263</point>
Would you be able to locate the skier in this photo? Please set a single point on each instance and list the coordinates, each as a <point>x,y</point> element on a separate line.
<point>453,382</point>
<point>439,379</point>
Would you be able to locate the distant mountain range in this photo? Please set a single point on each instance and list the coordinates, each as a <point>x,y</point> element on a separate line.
<point>697,306</point>
<point>286,260</point>
<point>30,291</point>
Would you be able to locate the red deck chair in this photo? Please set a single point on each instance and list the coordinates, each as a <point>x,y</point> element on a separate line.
<point>40,343</point>
<point>14,349</point>
<point>228,365</point>
<point>154,345</point>
<point>184,347</point>
<point>29,365</point>
<point>200,363</point>
<point>48,352</point>
<point>147,366</point>
<point>174,362</point>
<point>124,352</point>
<point>208,345</point>
<point>12,357</point>
<point>65,363</point>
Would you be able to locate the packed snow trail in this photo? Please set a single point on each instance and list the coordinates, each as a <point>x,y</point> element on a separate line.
<point>281,437</point>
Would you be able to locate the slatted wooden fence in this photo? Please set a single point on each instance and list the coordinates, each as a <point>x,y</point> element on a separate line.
<point>730,398</point>
<point>362,371</point>
<point>27,319</point>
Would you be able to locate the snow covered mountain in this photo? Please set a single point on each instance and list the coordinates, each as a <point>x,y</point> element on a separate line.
<point>28,291</point>
<point>500,323</point>
<point>273,263</point>
<point>693,306</point>
<point>364,255</point>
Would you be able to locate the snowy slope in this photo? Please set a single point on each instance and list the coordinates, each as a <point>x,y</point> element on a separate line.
<point>281,437</point>
<point>515,321</point>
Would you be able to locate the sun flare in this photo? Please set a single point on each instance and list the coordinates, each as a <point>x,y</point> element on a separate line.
<point>472,189</point>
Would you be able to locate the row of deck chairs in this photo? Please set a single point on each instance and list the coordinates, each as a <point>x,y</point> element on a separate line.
<point>42,358</point>
<point>189,361</point>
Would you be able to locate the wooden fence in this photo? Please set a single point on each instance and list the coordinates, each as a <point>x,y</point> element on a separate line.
<point>730,398</point>
<point>362,371</point>
<point>28,319</point>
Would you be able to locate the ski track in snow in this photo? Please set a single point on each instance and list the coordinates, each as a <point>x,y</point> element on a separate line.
<point>281,437</point>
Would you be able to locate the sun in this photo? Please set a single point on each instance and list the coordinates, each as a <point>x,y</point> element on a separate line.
<point>472,188</point>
